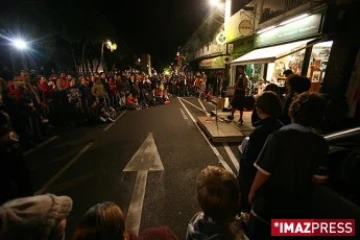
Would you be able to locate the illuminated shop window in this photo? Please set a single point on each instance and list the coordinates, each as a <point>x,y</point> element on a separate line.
<point>318,62</point>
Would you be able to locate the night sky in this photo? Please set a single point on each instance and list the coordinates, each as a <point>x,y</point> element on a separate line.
<point>157,27</point>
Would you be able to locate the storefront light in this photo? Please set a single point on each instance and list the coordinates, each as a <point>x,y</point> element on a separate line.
<point>294,19</point>
<point>265,29</point>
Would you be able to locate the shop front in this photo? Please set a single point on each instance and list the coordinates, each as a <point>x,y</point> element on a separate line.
<point>213,63</point>
<point>298,46</point>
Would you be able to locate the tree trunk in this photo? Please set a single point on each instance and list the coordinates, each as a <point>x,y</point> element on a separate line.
<point>83,61</point>
<point>97,66</point>
<point>90,65</point>
<point>102,57</point>
<point>74,58</point>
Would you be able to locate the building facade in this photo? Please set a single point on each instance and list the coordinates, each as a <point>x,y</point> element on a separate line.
<point>314,38</point>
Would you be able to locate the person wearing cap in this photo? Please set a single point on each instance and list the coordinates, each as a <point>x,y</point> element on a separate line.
<point>41,217</point>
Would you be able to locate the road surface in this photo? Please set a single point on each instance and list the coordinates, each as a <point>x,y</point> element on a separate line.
<point>146,160</point>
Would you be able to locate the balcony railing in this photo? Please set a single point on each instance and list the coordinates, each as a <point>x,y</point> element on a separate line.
<point>274,8</point>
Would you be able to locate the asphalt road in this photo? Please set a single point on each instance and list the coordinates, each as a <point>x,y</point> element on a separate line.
<point>87,163</point>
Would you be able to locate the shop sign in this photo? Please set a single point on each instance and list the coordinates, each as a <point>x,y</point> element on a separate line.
<point>211,49</point>
<point>239,25</point>
<point>303,28</point>
<point>245,28</point>
<point>213,63</point>
<point>221,38</point>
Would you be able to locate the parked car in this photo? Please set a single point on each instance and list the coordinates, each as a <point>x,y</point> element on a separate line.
<point>344,163</point>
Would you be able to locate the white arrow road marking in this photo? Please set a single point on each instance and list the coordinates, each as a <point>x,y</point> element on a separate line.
<point>146,158</point>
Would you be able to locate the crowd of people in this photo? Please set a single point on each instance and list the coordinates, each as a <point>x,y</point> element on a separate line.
<point>281,163</point>
<point>31,102</point>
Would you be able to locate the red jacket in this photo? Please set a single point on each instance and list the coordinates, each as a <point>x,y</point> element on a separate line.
<point>131,100</point>
<point>14,92</point>
<point>45,89</point>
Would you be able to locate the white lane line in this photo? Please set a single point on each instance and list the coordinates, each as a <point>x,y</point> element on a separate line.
<point>198,108</point>
<point>39,146</point>
<point>232,156</point>
<point>61,172</point>
<point>183,114</point>
<point>216,152</point>
<point>112,124</point>
<point>203,107</point>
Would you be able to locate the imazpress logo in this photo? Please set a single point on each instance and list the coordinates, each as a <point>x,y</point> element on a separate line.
<point>313,227</point>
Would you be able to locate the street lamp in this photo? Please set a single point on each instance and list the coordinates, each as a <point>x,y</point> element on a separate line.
<point>20,44</point>
<point>109,45</point>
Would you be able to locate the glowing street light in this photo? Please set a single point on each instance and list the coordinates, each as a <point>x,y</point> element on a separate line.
<point>215,2</point>
<point>20,44</point>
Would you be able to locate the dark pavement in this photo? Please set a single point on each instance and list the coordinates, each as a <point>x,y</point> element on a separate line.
<point>86,163</point>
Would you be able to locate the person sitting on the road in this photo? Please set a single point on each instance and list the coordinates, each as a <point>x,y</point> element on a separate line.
<point>41,217</point>
<point>132,102</point>
<point>296,85</point>
<point>269,109</point>
<point>291,161</point>
<point>218,196</point>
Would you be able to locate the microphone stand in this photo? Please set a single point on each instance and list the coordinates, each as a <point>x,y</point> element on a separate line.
<point>217,103</point>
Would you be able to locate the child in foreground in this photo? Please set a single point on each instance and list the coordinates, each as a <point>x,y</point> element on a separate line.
<point>218,196</point>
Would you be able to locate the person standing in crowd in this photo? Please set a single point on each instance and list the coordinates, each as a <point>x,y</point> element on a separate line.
<point>268,106</point>
<point>15,176</point>
<point>255,119</point>
<point>98,90</point>
<point>287,73</point>
<point>238,101</point>
<point>105,83</point>
<point>260,86</point>
<point>85,95</point>
<point>40,217</point>
<point>292,160</point>
<point>296,85</point>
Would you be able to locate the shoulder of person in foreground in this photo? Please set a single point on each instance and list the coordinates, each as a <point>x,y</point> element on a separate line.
<point>157,233</point>
<point>36,217</point>
<point>202,227</point>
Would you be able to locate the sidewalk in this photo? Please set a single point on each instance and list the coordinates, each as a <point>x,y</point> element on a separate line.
<point>245,129</point>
